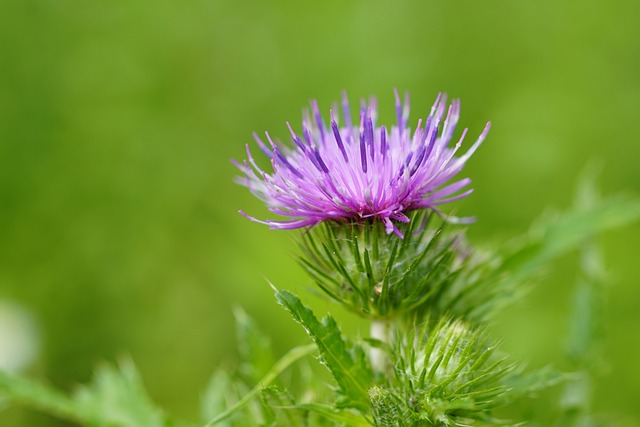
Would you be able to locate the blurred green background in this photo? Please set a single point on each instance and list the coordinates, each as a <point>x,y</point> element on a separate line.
<point>119,231</point>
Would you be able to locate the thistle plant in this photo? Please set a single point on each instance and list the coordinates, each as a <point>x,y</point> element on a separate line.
<point>375,239</point>
<point>377,242</point>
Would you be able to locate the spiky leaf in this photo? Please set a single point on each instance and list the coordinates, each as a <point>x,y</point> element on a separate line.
<point>117,398</point>
<point>346,361</point>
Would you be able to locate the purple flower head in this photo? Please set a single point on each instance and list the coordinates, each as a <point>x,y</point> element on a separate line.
<point>348,171</point>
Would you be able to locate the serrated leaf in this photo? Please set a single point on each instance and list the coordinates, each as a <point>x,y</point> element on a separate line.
<point>347,363</point>
<point>117,398</point>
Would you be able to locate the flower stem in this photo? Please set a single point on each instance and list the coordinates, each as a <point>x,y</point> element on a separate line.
<point>379,332</point>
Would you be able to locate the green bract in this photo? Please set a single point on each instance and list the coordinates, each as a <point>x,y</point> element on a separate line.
<point>381,276</point>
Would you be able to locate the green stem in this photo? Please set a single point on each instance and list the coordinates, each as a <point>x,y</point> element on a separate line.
<point>287,360</point>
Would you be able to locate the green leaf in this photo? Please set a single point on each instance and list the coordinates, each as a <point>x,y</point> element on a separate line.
<point>490,282</point>
<point>554,237</point>
<point>527,384</point>
<point>347,363</point>
<point>216,396</point>
<point>117,398</point>
<point>20,390</point>
<point>584,341</point>
<point>256,357</point>
<point>279,409</point>
<point>341,416</point>
<point>287,360</point>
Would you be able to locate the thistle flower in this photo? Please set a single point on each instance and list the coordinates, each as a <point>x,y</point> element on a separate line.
<point>356,172</point>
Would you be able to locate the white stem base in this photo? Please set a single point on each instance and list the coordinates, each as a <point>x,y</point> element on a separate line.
<point>377,355</point>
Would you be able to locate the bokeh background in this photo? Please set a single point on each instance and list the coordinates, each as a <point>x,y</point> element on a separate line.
<point>119,232</point>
